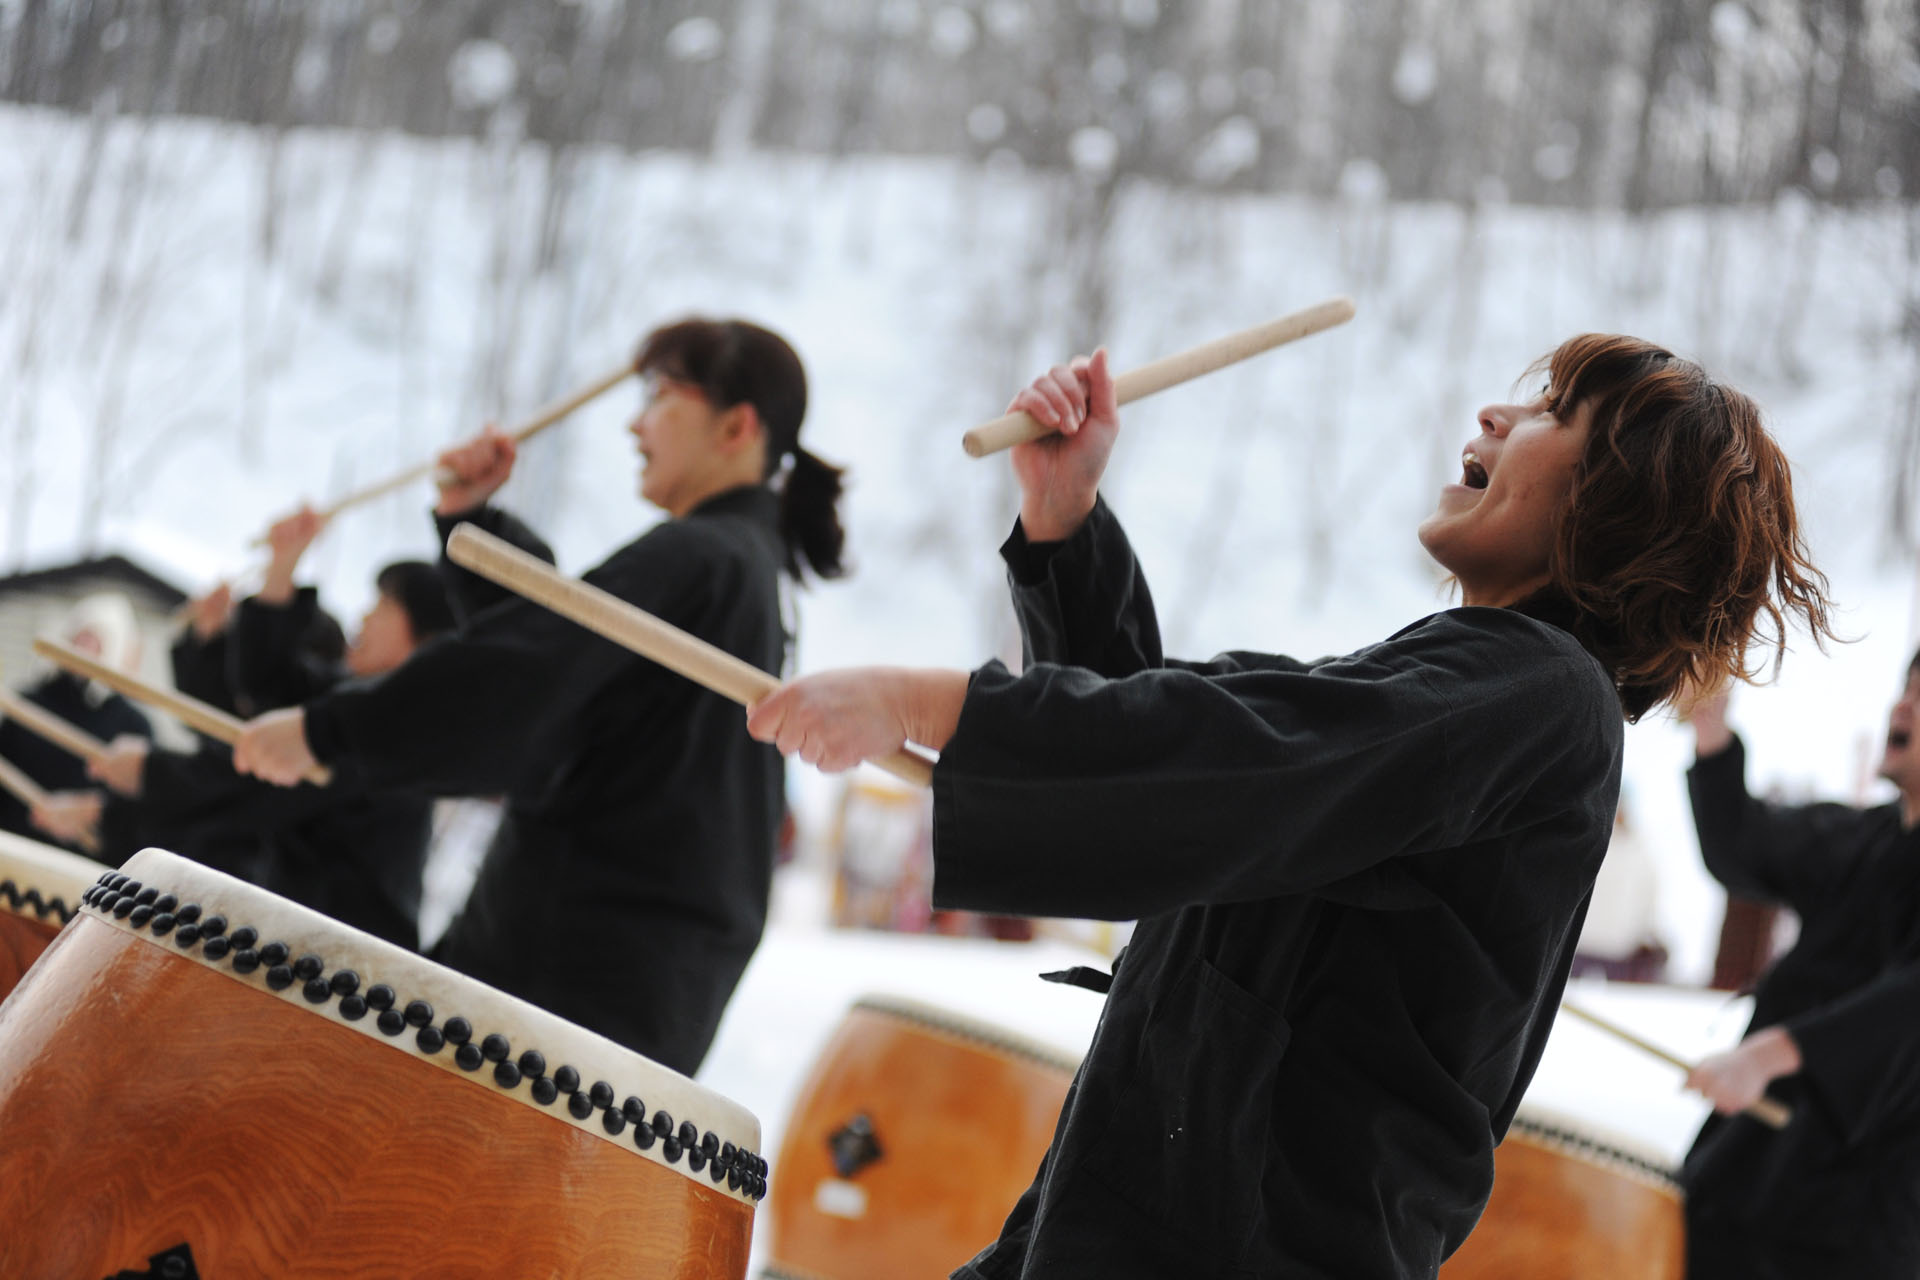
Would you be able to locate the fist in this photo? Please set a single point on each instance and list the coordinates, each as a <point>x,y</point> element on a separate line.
<point>71,817</point>
<point>471,473</point>
<point>273,747</point>
<point>123,765</point>
<point>291,535</point>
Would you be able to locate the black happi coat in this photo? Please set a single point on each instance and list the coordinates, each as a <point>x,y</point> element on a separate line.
<point>344,850</point>
<point>1359,884</point>
<point>200,668</point>
<point>1837,1193</point>
<point>627,885</point>
<point>104,715</point>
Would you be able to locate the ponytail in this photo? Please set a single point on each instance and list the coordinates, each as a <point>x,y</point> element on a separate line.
<point>737,362</point>
<point>810,516</point>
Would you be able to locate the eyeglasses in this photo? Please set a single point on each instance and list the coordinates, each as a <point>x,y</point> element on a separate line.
<point>654,384</point>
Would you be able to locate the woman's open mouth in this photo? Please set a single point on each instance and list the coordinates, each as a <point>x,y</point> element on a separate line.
<point>1472,474</point>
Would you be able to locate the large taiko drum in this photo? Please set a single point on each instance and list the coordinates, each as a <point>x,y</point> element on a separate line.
<point>201,1078</point>
<point>1575,1202</point>
<point>911,1140</point>
<point>40,889</point>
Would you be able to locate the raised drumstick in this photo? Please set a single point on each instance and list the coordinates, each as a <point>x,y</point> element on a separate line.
<point>608,615</point>
<point>33,795</point>
<point>520,434</point>
<point>1767,1111</point>
<point>55,729</point>
<point>1018,428</point>
<point>192,712</point>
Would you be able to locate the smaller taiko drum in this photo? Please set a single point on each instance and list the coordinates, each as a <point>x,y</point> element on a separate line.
<point>202,1078</point>
<point>1572,1201</point>
<point>912,1138</point>
<point>40,889</point>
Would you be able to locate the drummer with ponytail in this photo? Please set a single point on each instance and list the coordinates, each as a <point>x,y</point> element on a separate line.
<point>627,885</point>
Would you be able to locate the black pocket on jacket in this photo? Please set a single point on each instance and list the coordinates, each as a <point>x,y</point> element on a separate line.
<point>1187,1145</point>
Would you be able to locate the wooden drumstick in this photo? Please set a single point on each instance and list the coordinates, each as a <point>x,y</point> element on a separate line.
<point>33,795</point>
<point>1768,1111</point>
<point>605,614</point>
<point>192,712</point>
<point>60,732</point>
<point>1018,428</point>
<point>520,434</point>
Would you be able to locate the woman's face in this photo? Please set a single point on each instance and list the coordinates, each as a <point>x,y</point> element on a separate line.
<point>1493,530</point>
<point>679,435</point>
<point>385,638</point>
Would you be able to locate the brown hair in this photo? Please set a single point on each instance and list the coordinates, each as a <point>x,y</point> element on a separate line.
<point>735,362</point>
<point>1679,548</point>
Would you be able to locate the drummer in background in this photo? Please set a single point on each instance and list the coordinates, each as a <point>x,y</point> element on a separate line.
<point>1359,880</point>
<point>626,886</point>
<point>346,851</point>
<point>103,627</point>
<point>202,659</point>
<point>1834,1032</point>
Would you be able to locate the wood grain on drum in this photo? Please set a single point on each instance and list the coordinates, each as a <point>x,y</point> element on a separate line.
<point>961,1124</point>
<point>1560,1212</point>
<point>22,939</point>
<point>148,1101</point>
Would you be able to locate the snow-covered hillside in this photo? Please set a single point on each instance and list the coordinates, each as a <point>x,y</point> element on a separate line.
<point>202,325</point>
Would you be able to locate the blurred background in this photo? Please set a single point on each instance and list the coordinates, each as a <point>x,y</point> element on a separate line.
<point>259,251</point>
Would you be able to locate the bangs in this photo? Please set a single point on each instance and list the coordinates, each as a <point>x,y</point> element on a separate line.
<point>1596,368</point>
<point>692,351</point>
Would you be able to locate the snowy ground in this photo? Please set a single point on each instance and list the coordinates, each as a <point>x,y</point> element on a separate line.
<point>170,382</point>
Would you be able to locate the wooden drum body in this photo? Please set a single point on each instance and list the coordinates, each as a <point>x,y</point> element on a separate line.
<point>40,889</point>
<point>1570,1203</point>
<point>201,1076</point>
<point>912,1138</point>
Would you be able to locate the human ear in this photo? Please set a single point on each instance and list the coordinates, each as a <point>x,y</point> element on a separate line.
<point>740,427</point>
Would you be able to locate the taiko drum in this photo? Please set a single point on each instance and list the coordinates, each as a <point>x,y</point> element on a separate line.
<point>912,1138</point>
<point>40,887</point>
<point>1571,1202</point>
<point>199,1078</point>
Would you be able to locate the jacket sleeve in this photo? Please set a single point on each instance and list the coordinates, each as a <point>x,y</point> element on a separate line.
<point>200,788</point>
<point>1084,602</point>
<point>200,668</point>
<point>1798,855</point>
<point>449,720</point>
<point>1861,1054</point>
<point>265,660</point>
<point>1066,793</point>
<point>471,594</point>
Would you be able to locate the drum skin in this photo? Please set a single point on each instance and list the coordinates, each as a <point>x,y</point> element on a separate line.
<point>1563,1212</point>
<point>148,1101</point>
<point>22,939</point>
<point>962,1116</point>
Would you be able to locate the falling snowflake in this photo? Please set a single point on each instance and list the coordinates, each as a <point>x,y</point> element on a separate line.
<point>953,32</point>
<point>695,40</point>
<point>986,123</point>
<point>1093,150</point>
<point>1232,148</point>
<point>481,74</point>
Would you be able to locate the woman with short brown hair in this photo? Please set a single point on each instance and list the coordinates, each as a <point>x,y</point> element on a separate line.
<point>1359,880</point>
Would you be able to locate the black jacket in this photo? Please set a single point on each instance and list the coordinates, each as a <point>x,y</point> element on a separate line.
<point>627,885</point>
<point>1359,883</point>
<point>1838,1192</point>
<point>200,668</point>
<point>104,715</point>
<point>344,850</point>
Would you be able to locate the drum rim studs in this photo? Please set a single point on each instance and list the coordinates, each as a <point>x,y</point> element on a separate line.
<point>143,907</point>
